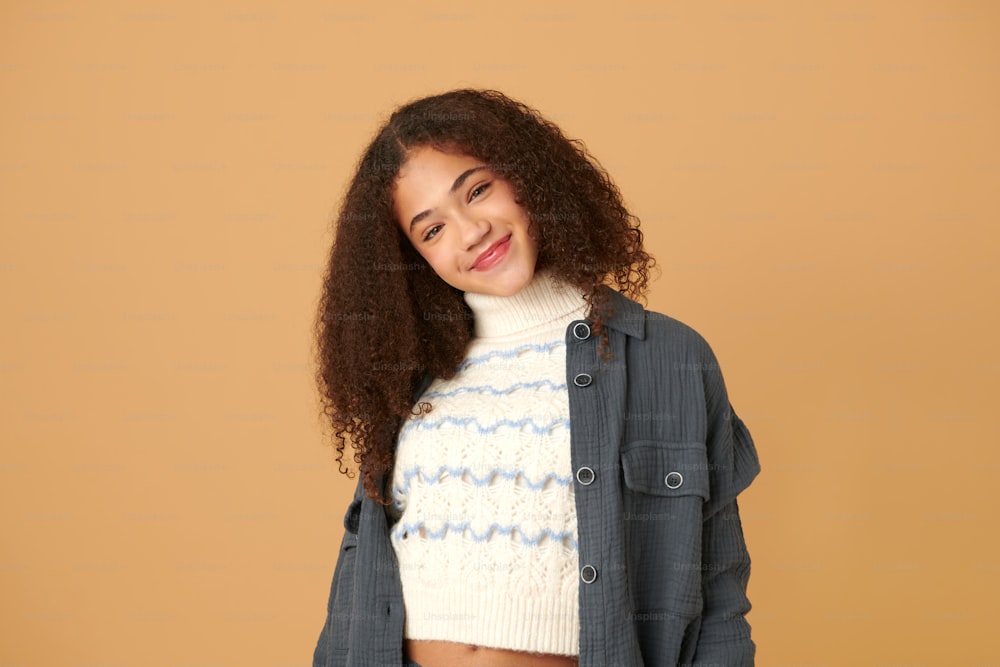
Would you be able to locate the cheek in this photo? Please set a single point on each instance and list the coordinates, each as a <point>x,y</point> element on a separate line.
<point>435,258</point>
<point>530,230</point>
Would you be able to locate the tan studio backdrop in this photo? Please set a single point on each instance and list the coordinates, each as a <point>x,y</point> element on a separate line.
<point>819,181</point>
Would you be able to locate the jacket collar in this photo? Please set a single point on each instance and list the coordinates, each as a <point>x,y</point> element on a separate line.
<point>627,316</point>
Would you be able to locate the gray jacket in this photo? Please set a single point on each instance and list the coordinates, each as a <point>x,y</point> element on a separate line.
<point>659,456</point>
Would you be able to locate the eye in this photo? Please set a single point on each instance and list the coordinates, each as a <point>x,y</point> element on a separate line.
<point>431,232</point>
<point>478,190</point>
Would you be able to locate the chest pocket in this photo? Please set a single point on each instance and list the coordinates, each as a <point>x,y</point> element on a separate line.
<point>662,468</point>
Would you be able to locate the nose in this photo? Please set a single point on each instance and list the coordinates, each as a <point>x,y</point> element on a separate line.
<point>472,230</point>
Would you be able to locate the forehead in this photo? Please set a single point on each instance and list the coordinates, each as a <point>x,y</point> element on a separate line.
<point>427,162</point>
<point>425,178</point>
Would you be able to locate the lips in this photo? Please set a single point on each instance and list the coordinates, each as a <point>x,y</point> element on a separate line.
<point>492,255</point>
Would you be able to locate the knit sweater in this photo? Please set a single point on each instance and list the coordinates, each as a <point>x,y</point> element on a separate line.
<point>486,538</point>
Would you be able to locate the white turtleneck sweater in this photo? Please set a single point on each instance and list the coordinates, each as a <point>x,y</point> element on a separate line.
<point>486,540</point>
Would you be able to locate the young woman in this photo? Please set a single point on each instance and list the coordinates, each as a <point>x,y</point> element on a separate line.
<point>548,471</point>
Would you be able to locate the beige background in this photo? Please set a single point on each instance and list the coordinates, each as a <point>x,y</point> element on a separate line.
<point>818,180</point>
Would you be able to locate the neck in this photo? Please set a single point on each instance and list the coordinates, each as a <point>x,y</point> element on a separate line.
<point>540,303</point>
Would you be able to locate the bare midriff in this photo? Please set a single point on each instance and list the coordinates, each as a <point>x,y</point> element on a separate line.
<point>429,653</point>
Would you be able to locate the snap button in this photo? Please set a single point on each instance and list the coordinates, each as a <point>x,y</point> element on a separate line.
<point>673,479</point>
<point>582,380</point>
<point>581,330</point>
<point>588,574</point>
<point>585,476</point>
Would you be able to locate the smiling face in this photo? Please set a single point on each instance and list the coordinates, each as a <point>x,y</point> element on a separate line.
<point>463,219</point>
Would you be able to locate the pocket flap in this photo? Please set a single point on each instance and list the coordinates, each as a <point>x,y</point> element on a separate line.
<point>666,468</point>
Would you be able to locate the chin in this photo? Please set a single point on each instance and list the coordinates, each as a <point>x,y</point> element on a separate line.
<point>514,284</point>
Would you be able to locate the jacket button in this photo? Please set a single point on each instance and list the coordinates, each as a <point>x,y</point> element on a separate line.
<point>673,479</point>
<point>582,380</point>
<point>585,476</point>
<point>588,574</point>
<point>581,330</point>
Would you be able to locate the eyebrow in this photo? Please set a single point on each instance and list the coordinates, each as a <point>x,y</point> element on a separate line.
<point>454,186</point>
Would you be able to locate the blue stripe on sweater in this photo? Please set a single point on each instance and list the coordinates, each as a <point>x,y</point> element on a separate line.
<point>513,352</point>
<point>490,389</point>
<point>509,529</point>
<point>461,471</point>
<point>427,424</point>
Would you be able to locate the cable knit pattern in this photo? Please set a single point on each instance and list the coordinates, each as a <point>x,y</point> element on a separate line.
<point>486,537</point>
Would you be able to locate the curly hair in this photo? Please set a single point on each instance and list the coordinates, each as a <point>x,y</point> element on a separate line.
<point>385,319</point>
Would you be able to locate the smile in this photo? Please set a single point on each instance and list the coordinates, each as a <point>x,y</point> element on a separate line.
<point>492,255</point>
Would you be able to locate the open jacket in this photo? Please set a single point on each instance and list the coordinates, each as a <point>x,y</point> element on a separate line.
<point>659,456</point>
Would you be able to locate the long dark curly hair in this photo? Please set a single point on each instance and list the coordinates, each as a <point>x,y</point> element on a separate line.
<point>385,319</point>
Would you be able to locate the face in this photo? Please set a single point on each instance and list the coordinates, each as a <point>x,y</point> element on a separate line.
<point>463,219</point>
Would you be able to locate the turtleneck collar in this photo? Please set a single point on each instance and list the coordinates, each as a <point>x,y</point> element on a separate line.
<point>542,302</point>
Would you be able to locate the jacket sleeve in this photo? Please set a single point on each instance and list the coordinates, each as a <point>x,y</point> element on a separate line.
<point>332,645</point>
<point>724,637</point>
